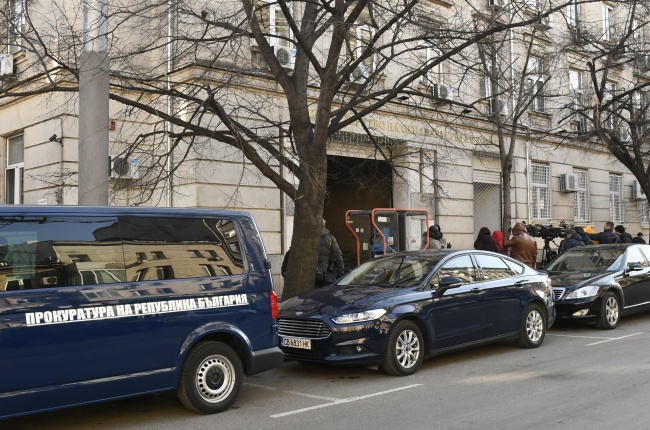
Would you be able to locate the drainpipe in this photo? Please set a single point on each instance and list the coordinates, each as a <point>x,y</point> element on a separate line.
<point>528,190</point>
<point>168,125</point>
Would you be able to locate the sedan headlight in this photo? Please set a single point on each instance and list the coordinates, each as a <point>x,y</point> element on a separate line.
<point>360,316</point>
<point>584,292</point>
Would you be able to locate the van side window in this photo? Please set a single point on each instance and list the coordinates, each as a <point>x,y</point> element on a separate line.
<point>59,251</point>
<point>179,248</point>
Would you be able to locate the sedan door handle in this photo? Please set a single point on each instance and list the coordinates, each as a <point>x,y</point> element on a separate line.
<point>522,282</point>
<point>475,290</point>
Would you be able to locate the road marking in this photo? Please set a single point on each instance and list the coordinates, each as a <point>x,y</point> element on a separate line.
<point>576,336</point>
<point>615,338</point>
<point>312,396</point>
<point>341,401</point>
<point>604,339</point>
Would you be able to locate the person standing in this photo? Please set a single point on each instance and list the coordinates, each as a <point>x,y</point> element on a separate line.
<point>436,239</point>
<point>623,236</point>
<point>485,242</point>
<point>522,245</point>
<point>497,235</point>
<point>573,239</point>
<point>330,259</point>
<point>639,238</point>
<point>607,235</point>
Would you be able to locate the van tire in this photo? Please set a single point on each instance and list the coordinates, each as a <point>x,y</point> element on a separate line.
<point>211,378</point>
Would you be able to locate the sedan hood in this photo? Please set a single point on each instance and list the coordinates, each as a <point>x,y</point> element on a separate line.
<point>576,279</point>
<point>337,300</point>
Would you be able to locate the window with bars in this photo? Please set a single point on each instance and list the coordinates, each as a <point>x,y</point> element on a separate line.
<point>541,190</point>
<point>616,199</point>
<point>581,196</point>
<point>645,212</point>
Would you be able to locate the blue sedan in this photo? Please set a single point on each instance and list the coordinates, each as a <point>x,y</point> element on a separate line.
<point>399,309</point>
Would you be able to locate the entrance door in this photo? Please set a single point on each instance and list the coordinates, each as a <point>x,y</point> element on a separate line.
<point>354,183</point>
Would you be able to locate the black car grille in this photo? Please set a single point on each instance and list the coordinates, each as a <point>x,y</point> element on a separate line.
<point>558,293</point>
<point>303,327</point>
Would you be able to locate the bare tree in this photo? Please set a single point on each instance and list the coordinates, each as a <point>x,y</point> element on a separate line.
<point>268,81</point>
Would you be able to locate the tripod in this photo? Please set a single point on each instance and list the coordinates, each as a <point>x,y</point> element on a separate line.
<point>547,253</point>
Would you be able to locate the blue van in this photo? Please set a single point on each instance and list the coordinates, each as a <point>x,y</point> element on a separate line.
<point>100,303</point>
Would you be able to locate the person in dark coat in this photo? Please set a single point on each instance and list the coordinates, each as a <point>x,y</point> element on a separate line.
<point>330,258</point>
<point>624,236</point>
<point>573,239</point>
<point>485,242</point>
<point>639,238</point>
<point>607,235</point>
<point>580,232</point>
<point>285,264</point>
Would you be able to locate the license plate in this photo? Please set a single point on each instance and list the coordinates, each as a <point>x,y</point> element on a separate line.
<point>293,342</point>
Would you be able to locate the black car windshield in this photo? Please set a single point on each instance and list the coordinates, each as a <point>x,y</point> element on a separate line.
<point>399,271</point>
<point>589,259</point>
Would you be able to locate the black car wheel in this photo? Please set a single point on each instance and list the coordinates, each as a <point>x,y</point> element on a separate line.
<point>404,349</point>
<point>533,327</point>
<point>609,312</point>
<point>211,378</point>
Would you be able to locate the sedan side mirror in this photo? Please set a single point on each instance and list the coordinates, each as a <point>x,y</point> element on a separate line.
<point>634,267</point>
<point>449,282</point>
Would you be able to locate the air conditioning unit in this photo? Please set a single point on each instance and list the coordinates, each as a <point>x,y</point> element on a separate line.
<point>286,57</point>
<point>6,64</point>
<point>253,43</point>
<point>124,167</point>
<point>441,90</point>
<point>568,183</point>
<point>497,4</point>
<point>637,192</point>
<point>502,104</point>
<point>583,127</point>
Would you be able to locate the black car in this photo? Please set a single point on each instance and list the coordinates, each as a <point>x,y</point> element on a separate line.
<point>602,282</point>
<point>398,309</point>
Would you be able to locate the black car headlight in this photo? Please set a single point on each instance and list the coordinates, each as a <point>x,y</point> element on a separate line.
<point>584,292</point>
<point>360,316</point>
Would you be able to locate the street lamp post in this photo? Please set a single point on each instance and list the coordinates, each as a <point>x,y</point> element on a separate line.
<point>93,105</point>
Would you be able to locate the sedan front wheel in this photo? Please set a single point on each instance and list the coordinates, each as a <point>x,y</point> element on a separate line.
<point>609,312</point>
<point>404,349</point>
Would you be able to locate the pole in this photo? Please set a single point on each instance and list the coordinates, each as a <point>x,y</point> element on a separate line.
<point>93,105</point>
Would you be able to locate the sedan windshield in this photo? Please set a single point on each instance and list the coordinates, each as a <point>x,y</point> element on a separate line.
<point>588,260</point>
<point>401,271</point>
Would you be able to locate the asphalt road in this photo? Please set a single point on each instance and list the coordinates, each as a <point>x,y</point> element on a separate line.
<point>580,378</point>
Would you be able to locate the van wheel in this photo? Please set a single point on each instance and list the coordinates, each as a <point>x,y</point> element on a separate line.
<point>211,378</point>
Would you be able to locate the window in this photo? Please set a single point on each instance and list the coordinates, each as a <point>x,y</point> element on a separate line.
<point>426,55</point>
<point>541,184</point>
<point>274,23</point>
<point>15,170</point>
<point>58,251</point>
<point>177,241</point>
<point>581,197</point>
<point>608,22</point>
<point>609,118</point>
<point>536,84</point>
<point>572,13</point>
<point>492,267</point>
<point>634,256</point>
<point>459,267</point>
<point>616,213</point>
<point>638,36</point>
<point>360,40</point>
<point>645,215</point>
<point>575,87</point>
<point>16,9</point>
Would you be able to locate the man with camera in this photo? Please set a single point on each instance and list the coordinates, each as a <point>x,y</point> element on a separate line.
<point>522,245</point>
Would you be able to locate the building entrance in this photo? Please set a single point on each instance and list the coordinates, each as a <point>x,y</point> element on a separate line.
<point>354,183</point>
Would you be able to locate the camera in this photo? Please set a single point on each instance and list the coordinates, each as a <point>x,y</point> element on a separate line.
<point>548,231</point>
